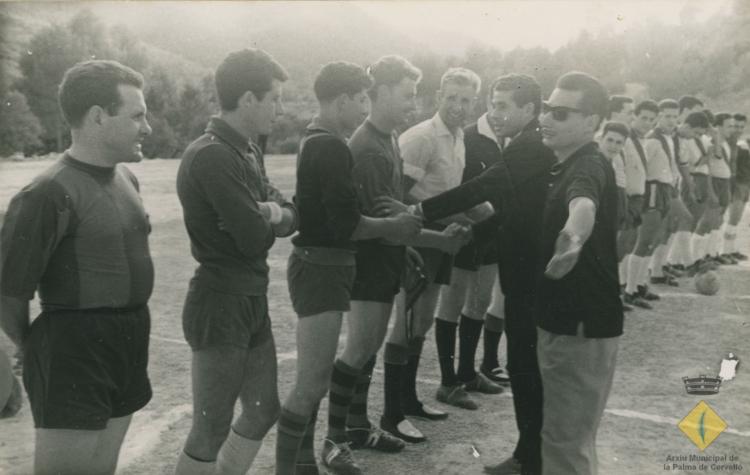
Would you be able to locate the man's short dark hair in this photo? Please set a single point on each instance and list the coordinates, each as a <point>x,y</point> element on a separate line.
<point>697,119</point>
<point>710,116</point>
<point>247,70</point>
<point>389,71</point>
<point>739,117</point>
<point>594,96</point>
<point>340,77</point>
<point>668,104</point>
<point>524,87</point>
<point>688,102</point>
<point>94,83</point>
<point>647,105</point>
<point>721,117</point>
<point>616,104</point>
<point>617,127</point>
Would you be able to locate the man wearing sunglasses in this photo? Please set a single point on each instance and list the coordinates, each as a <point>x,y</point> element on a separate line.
<point>578,310</point>
<point>515,186</point>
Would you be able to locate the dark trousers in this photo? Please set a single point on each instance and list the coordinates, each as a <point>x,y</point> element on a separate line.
<point>525,381</point>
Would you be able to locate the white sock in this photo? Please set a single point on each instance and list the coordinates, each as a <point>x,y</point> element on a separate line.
<point>622,269</point>
<point>670,250</point>
<point>699,246</point>
<point>187,465</point>
<point>716,242</point>
<point>634,272</point>
<point>658,260</point>
<point>730,234</point>
<point>683,247</point>
<point>236,455</point>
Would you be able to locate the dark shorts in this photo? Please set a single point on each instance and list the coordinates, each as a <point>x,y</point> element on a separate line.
<point>379,271</point>
<point>740,191</point>
<point>722,190</point>
<point>633,212</point>
<point>211,318</point>
<point>82,368</point>
<point>700,187</point>
<point>477,253</point>
<point>657,197</point>
<point>320,280</point>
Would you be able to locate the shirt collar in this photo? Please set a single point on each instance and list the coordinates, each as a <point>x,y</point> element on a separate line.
<point>483,127</point>
<point>316,125</point>
<point>590,148</point>
<point>227,133</point>
<point>443,129</point>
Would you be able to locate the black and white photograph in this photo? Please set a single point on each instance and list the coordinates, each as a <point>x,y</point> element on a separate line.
<point>438,237</point>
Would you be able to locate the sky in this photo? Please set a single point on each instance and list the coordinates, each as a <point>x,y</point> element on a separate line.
<point>510,23</point>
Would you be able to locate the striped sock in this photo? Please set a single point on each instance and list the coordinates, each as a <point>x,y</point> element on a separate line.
<point>343,380</point>
<point>357,416</point>
<point>290,430</point>
<point>306,454</point>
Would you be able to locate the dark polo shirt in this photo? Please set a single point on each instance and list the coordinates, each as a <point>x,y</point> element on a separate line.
<point>590,292</point>
<point>220,180</point>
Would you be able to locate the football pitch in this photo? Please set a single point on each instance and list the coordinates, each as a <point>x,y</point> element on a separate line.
<point>686,334</point>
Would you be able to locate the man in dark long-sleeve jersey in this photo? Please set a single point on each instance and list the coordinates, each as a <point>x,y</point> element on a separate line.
<point>516,188</point>
<point>232,215</point>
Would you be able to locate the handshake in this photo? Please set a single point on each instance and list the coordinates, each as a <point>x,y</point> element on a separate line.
<point>407,222</point>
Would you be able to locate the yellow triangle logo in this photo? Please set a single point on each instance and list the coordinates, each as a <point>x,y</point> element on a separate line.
<point>702,425</point>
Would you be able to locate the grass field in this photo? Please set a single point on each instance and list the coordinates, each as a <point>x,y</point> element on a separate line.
<point>685,335</point>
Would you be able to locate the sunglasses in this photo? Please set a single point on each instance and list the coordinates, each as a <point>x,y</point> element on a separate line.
<point>559,113</point>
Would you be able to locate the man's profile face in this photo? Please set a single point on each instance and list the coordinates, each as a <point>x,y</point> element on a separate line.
<point>505,116</point>
<point>668,119</point>
<point>726,130</point>
<point>644,121</point>
<point>625,115</point>
<point>612,143</point>
<point>123,133</point>
<point>263,113</point>
<point>455,104</point>
<point>402,101</point>
<point>739,128</point>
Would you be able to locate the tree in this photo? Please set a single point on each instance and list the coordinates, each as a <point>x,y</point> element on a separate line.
<point>19,127</point>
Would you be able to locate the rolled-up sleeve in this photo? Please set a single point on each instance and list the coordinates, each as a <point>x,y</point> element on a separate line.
<point>417,151</point>
<point>589,180</point>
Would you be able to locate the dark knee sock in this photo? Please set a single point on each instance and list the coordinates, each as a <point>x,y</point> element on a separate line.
<point>409,375</point>
<point>493,331</point>
<point>445,338</point>
<point>306,452</point>
<point>291,428</point>
<point>357,416</point>
<point>343,380</point>
<point>395,359</point>
<point>469,331</point>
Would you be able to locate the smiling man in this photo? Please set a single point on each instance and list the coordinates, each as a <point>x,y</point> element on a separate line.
<point>232,214</point>
<point>578,309</point>
<point>78,235</point>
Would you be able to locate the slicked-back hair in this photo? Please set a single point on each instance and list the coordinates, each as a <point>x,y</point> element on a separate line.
<point>94,83</point>
<point>246,70</point>
<point>740,117</point>
<point>617,127</point>
<point>668,104</point>
<point>338,78</point>
<point>688,102</point>
<point>389,71</point>
<point>647,105</point>
<point>524,87</point>
<point>721,117</point>
<point>461,77</point>
<point>697,119</point>
<point>594,97</point>
<point>617,103</point>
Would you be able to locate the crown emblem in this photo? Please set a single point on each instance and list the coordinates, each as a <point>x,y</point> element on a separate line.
<point>702,384</point>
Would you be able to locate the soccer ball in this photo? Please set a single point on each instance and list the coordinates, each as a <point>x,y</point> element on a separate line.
<point>707,283</point>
